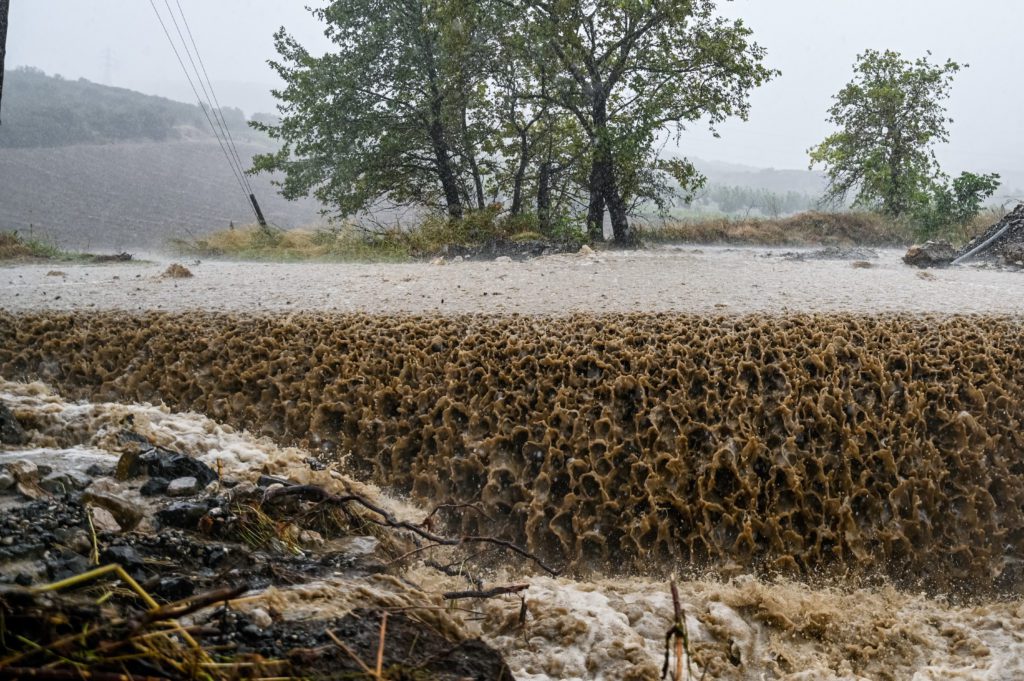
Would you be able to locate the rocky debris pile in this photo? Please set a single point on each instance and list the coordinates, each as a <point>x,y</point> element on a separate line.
<point>186,540</point>
<point>833,253</point>
<point>937,253</point>
<point>1007,248</point>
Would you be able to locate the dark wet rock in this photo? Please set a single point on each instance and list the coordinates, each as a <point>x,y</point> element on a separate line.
<point>184,514</point>
<point>268,480</point>
<point>174,588</point>
<point>66,564</point>
<point>11,432</point>
<point>930,254</point>
<point>154,486</point>
<point>125,556</point>
<point>182,487</point>
<point>98,470</point>
<point>65,482</point>
<point>158,462</point>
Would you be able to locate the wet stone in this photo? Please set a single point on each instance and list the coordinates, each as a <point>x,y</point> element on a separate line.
<point>174,588</point>
<point>183,514</point>
<point>6,481</point>
<point>64,482</point>
<point>158,462</point>
<point>154,486</point>
<point>930,254</point>
<point>182,487</point>
<point>11,432</point>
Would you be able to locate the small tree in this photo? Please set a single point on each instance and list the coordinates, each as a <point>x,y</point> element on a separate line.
<point>954,205</point>
<point>889,118</point>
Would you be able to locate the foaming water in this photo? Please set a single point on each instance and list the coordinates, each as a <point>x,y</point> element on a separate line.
<point>837,445</point>
<point>595,628</point>
<point>753,629</point>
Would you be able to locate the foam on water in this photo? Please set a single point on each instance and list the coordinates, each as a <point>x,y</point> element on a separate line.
<point>86,429</point>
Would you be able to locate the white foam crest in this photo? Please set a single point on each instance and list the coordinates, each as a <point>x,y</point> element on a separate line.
<point>57,423</point>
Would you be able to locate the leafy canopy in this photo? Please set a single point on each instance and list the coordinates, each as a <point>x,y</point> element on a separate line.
<point>889,118</point>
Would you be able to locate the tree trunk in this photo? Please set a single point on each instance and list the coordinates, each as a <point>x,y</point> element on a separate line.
<point>544,197</point>
<point>595,211</point>
<point>604,188</point>
<point>442,154</point>
<point>520,176</point>
<point>474,167</point>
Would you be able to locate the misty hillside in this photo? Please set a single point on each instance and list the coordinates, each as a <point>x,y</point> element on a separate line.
<point>93,166</point>
<point>48,111</point>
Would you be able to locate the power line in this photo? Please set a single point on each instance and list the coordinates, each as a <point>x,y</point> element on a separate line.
<point>218,114</point>
<point>239,177</point>
<point>219,109</point>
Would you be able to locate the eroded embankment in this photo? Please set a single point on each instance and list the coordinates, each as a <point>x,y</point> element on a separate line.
<point>804,444</point>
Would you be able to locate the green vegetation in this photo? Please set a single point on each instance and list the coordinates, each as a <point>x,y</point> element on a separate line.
<point>14,246</point>
<point>435,235</point>
<point>552,107</point>
<point>954,206</point>
<point>17,248</point>
<point>890,117</point>
<point>49,111</point>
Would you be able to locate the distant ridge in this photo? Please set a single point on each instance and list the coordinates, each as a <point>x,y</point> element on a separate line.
<point>49,111</point>
<point>92,166</point>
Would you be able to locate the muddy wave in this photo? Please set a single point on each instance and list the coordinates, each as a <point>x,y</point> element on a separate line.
<point>799,445</point>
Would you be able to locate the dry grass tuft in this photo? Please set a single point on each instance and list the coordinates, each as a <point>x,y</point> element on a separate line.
<point>176,271</point>
<point>804,229</point>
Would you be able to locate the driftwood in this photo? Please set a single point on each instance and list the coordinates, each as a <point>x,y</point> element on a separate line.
<point>486,593</point>
<point>318,494</point>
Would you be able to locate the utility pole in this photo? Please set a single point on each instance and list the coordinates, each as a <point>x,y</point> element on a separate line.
<point>5,10</point>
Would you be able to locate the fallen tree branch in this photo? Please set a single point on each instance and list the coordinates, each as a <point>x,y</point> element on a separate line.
<point>173,611</point>
<point>318,494</point>
<point>487,593</point>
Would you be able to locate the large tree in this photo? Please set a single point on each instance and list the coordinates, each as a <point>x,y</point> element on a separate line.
<point>889,119</point>
<point>390,112</point>
<point>630,71</point>
<point>531,103</point>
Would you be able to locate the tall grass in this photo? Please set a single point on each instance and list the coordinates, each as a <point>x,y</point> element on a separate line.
<point>804,229</point>
<point>14,246</point>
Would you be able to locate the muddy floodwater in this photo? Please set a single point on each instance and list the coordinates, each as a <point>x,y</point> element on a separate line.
<point>825,448</point>
<point>683,279</point>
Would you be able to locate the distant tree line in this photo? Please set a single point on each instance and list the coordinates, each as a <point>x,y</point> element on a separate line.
<point>555,109</point>
<point>49,111</point>
<point>735,200</point>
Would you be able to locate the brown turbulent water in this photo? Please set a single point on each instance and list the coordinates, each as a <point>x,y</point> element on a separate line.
<point>599,628</point>
<point>828,456</point>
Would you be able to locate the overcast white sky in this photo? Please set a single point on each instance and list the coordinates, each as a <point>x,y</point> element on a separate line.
<point>813,42</point>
